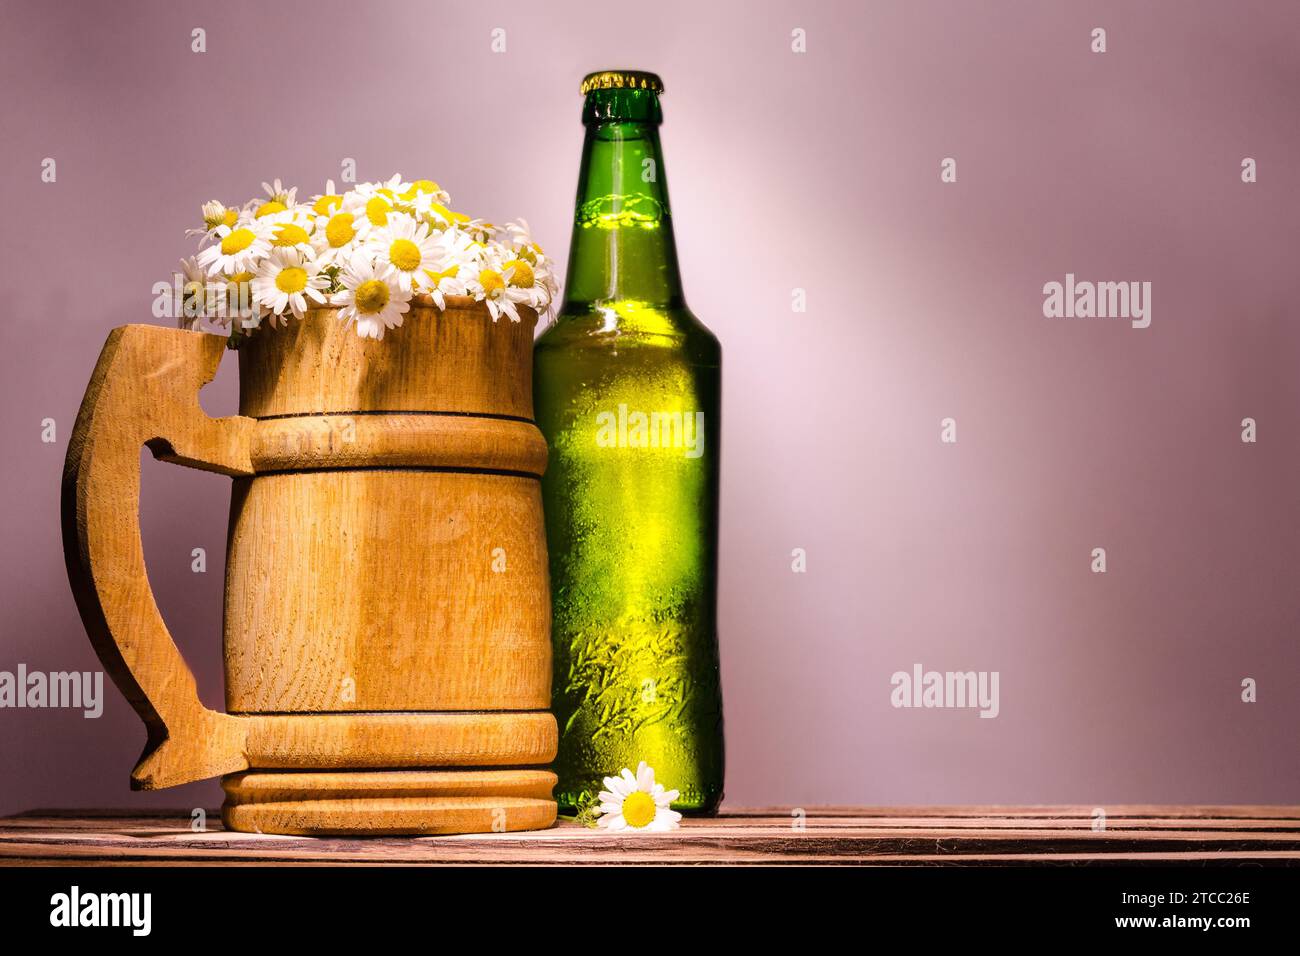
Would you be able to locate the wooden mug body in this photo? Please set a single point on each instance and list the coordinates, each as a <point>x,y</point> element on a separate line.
<point>386,590</point>
<point>387,617</point>
<point>389,554</point>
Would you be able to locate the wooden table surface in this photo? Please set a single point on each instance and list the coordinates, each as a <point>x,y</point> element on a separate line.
<point>1228,835</point>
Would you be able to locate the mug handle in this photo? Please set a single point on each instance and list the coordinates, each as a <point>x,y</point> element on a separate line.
<point>144,391</point>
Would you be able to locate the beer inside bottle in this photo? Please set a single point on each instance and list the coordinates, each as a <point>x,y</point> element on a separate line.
<point>627,389</point>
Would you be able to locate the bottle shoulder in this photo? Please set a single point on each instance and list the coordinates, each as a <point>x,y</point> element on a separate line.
<point>675,328</point>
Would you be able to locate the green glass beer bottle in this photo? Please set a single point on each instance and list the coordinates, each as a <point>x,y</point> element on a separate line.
<point>628,394</point>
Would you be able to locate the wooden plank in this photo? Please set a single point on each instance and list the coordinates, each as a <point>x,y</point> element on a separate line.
<point>875,835</point>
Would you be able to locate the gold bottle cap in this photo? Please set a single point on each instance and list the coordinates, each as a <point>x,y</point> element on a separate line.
<point>621,80</point>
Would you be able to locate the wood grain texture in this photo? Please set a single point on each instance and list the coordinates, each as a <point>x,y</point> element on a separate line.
<point>457,361</point>
<point>410,802</point>
<point>414,579</point>
<point>388,441</point>
<point>1203,835</point>
<point>304,741</point>
<point>399,606</point>
<point>144,392</point>
<point>387,602</point>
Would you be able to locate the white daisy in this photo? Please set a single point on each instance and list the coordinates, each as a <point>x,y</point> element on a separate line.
<point>459,247</point>
<point>521,279</point>
<point>285,281</point>
<point>407,246</point>
<point>236,248</point>
<point>637,802</point>
<point>335,237</point>
<point>197,297</point>
<point>438,283</point>
<point>238,301</point>
<point>487,282</point>
<point>457,258</point>
<point>404,233</point>
<point>391,188</point>
<point>276,192</point>
<point>375,201</point>
<point>427,188</point>
<point>479,230</point>
<point>327,202</point>
<point>519,233</point>
<point>371,297</point>
<point>215,214</point>
<point>279,200</point>
<point>292,229</point>
<point>428,208</point>
<point>371,211</point>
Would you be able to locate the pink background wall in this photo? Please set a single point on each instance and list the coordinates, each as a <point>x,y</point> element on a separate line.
<point>818,171</point>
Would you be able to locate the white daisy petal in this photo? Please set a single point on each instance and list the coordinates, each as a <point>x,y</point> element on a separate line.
<point>636,803</point>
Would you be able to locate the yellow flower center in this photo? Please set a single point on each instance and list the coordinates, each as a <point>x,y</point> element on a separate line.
<point>449,273</point>
<point>323,205</point>
<point>339,231</point>
<point>268,209</point>
<point>371,296</point>
<point>491,281</point>
<point>404,254</point>
<point>522,277</point>
<point>290,234</point>
<point>237,241</point>
<point>292,279</point>
<point>639,809</point>
<point>420,186</point>
<point>232,217</point>
<point>238,286</point>
<point>377,210</point>
<point>444,214</point>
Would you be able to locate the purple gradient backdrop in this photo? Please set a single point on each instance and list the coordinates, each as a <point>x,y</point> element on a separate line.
<point>818,171</point>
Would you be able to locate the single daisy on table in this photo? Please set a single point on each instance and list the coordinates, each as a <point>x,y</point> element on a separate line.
<point>407,246</point>
<point>235,248</point>
<point>285,281</point>
<point>371,297</point>
<point>636,802</point>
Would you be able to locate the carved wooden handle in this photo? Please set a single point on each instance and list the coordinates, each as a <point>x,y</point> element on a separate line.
<point>144,391</point>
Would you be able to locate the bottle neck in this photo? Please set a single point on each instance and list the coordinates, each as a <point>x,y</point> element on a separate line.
<point>622,257</point>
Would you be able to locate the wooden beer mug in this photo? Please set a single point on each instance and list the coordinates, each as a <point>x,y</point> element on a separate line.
<point>387,609</point>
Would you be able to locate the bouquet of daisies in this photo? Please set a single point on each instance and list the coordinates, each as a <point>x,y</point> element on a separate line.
<point>371,252</point>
